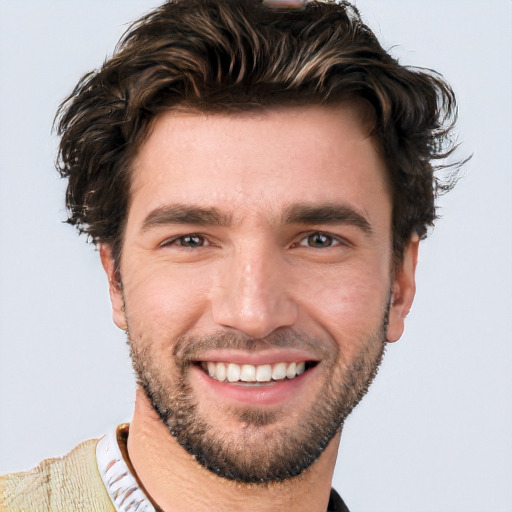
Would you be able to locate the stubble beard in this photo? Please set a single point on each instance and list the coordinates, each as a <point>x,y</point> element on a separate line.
<point>261,451</point>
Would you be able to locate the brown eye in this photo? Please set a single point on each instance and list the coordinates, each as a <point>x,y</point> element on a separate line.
<point>319,241</point>
<point>191,241</point>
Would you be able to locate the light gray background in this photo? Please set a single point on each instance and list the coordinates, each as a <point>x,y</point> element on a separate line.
<point>435,431</point>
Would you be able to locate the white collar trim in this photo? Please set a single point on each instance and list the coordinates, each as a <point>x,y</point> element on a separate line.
<point>121,485</point>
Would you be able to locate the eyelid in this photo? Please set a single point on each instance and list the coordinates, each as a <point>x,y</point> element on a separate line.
<point>337,240</point>
<point>302,237</point>
<point>172,240</point>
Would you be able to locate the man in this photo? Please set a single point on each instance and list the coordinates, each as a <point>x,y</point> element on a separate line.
<point>257,180</point>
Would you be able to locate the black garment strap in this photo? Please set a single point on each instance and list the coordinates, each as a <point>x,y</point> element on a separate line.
<point>336,504</point>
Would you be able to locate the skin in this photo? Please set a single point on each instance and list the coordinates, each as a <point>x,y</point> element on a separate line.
<point>254,274</point>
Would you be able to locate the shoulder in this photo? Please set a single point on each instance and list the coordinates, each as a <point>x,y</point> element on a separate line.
<point>66,483</point>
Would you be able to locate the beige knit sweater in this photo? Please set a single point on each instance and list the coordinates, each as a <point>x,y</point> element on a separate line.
<point>68,484</point>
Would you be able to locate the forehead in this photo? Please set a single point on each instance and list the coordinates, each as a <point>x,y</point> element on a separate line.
<point>265,160</point>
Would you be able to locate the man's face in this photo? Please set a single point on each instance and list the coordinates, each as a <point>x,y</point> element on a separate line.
<point>256,282</point>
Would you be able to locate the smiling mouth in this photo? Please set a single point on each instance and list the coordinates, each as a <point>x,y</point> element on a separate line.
<point>248,374</point>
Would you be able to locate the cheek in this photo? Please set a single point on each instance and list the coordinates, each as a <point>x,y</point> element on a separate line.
<point>350,306</point>
<point>163,302</point>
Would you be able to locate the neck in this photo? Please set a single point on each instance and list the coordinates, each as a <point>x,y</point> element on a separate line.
<point>178,483</point>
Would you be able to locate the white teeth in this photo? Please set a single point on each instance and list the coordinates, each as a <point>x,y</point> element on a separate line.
<point>279,371</point>
<point>233,372</point>
<point>248,373</point>
<point>291,371</point>
<point>221,372</point>
<point>251,373</point>
<point>264,373</point>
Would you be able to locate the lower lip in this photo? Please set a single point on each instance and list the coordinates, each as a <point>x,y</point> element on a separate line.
<point>266,394</point>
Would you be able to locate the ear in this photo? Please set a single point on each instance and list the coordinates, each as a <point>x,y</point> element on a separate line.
<point>114,286</point>
<point>404,289</point>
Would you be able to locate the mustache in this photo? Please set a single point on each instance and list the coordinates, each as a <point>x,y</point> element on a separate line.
<point>187,348</point>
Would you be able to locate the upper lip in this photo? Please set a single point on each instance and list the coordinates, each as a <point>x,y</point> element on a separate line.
<point>271,356</point>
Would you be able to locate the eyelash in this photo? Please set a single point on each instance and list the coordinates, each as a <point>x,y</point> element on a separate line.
<point>176,240</point>
<point>333,240</point>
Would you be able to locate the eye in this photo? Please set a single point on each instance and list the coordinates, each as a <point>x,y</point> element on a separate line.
<point>318,241</point>
<point>186,241</point>
<point>191,241</point>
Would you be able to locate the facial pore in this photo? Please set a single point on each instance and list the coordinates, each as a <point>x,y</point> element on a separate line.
<point>264,450</point>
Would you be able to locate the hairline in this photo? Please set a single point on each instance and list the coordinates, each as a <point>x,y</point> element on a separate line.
<point>360,105</point>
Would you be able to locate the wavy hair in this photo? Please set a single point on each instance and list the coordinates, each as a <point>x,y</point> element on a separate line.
<point>232,56</point>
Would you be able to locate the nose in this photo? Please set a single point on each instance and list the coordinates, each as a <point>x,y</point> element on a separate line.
<point>254,294</point>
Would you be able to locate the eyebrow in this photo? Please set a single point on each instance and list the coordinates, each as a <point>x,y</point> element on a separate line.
<point>327,214</point>
<point>185,214</point>
<point>295,214</point>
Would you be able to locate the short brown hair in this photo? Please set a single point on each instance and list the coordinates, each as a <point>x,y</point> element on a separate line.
<point>235,55</point>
